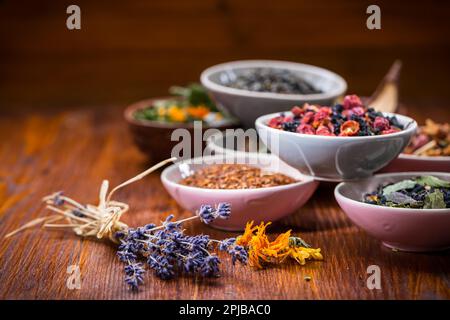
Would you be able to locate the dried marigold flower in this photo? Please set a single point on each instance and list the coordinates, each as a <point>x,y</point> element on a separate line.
<point>301,254</point>
<point>349,128</point>
<point>262,251</point>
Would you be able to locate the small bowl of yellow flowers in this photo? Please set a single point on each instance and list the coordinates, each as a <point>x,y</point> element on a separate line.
<point>153,121</point>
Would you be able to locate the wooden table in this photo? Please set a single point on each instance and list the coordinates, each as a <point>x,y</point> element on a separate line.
<point>74,150</point>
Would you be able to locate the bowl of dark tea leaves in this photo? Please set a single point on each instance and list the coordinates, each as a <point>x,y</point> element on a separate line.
<point>251,88</point>
<point>408,211</point>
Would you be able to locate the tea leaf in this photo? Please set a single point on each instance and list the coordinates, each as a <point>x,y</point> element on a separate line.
<point>405,184</point>
<point>401,199</point>
<point>435,200</point>
<point>433,182</point>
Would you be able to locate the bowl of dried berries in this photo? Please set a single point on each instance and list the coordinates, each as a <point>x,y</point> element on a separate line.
<point>251,88</point>
<point>409,211</point>
<point>429,150</point>
<point>345,142</point>
<point>259,187</point>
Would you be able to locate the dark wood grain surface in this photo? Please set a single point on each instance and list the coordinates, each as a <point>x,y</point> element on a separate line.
<point>74,150</point>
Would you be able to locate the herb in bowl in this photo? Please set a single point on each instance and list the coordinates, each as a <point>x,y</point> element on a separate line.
<point>352,118</point>
<point>188,104</point>
<point>431,140</point>
<point>272,80</point>
<point>425,192</point>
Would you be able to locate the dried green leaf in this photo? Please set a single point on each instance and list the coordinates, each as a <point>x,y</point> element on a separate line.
<point>433,182</point>
<point>434,200</point>
<point>402,199</point>
<point>405,184</point>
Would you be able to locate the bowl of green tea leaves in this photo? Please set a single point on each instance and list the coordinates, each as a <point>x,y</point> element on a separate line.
<point>407,211</point>
<point>152,121</point>
<point>422,192</point>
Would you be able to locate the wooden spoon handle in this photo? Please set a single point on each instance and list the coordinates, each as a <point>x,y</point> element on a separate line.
<point>385,97</point>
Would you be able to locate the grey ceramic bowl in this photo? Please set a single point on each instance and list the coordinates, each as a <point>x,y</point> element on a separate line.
<point>335,158</point>
<point>248,105</point>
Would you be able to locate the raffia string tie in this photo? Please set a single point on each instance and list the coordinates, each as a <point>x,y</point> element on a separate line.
<point>102,220</point>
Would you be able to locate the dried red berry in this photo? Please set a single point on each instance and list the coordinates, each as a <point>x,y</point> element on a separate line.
<point>297,111</point>
<point>358,111</point>
<point>381,123</point>
<point>352,101</point>
<point>307,118</point>
<point>322,114</point>
<point>349,128</point>
<point>324,131</point>
<point>390,130</point>
<point>306,129</point>
<point>276,122</point>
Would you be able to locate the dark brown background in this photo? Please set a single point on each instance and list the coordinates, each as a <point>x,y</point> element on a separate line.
<point>130,50</point>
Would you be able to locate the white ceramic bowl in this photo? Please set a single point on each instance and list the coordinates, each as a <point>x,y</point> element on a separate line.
<point>261,204</point>
<point>400,228</point>
<point>335,158</point>
<point>248,105</point>
<point>226,143</point>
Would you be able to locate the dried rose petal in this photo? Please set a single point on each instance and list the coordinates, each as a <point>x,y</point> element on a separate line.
<point>352,101</point>
<point>305,129</point>
<point>349,128</point>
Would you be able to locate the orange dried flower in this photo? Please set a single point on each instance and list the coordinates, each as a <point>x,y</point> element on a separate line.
<point>349,128</point>
<point>245,238</point>
<point>198,112</point>
<point>262,251</point>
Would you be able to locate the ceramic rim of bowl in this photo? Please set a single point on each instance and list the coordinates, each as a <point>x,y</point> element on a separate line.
<point>275,64</point>
<point>405,156</point>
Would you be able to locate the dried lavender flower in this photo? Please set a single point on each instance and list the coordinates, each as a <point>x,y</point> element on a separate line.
<point>169,252</point>
<point>206,214</point>
<point>224,210</point>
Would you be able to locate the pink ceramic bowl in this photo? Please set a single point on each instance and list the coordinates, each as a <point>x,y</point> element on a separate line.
<point>262,204</point>
<point>408,162</point>
<point>400,228</point>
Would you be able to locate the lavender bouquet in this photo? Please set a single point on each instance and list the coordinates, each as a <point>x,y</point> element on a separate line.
<point>165,249</point>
